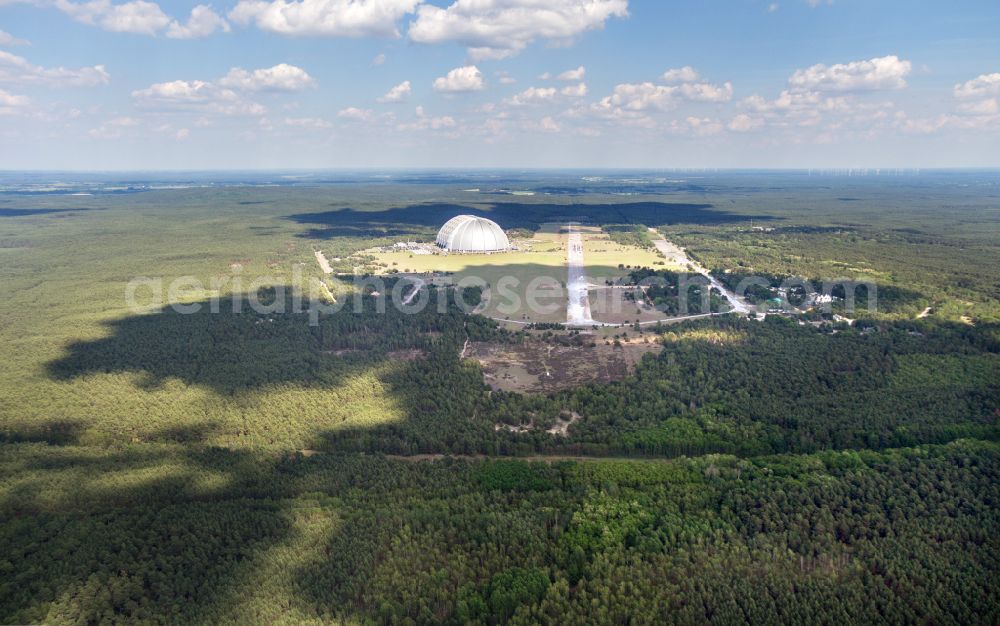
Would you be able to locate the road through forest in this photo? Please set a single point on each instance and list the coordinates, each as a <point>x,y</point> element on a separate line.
<point>675,253</point>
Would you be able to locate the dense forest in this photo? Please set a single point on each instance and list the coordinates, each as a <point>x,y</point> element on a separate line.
<point>674,294</point>
<point>165,533</point>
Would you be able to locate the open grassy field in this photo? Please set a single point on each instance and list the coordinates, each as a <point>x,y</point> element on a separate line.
<point>601,252</point>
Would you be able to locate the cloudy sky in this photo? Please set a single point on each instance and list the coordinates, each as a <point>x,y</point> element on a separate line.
<point>105,84</point>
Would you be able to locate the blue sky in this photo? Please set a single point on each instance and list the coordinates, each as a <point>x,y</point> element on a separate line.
<point>111,84</point>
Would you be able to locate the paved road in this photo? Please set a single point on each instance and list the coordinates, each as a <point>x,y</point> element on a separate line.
<point>676,254</point>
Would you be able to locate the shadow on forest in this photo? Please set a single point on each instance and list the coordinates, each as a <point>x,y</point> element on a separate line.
<point>355,231</point>
<point>30,212</point>
<point>192,535</point>
<point>80,514</point>
<point>55,432</point>
<point>410,219</point>
<point>243,356</point>
<point>226,351</point>
<point>81,505</point>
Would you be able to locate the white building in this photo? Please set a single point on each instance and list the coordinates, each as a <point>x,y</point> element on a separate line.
<point>468,233</point>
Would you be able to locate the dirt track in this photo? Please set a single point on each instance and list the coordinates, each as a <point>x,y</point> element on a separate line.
<point>535,458</point>
<point>538,458</point>
<point>323,263</point>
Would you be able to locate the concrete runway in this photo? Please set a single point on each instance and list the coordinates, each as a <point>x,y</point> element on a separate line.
<point>577,287</point>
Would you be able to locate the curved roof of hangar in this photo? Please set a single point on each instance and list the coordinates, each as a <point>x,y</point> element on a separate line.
<point>468,233</point>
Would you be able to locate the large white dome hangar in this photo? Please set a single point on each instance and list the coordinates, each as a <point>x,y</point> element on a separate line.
<point>468,233</point>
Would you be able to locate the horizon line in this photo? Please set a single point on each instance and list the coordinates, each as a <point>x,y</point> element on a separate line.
<point>877,169</point>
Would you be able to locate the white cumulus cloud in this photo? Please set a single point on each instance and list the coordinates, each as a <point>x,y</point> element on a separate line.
<point>17,70</point>
<point>397,94</point>
<point>142,17</point>
<point>744,123</point>
<point>573,75</point>
<point>429,122</point>
<point>460,79</point>
<point>179,91</point>
<point>138,16</point>
<point>989,106</point>
<point>706,92</point>
<point>542,95</point>
<point>644,96</point>
<point>12,103</point>
<point>698,126</point>
<point>281,77</point>
<point>202,22</point>
<point>307,122</point>
<point>980,86</point>
<point>686,74</point>
<point>534,95</point>
<point>330,18</point>
<point>225,96</point>
<point>978,109</point>
<point>495,29</point>
<point>113,128</point>
<point>639,97</point>
<point>354,113</point>
<point>549,125</point>
<point>6,39</point>
<point>888,72</point>
<point>829,96</point>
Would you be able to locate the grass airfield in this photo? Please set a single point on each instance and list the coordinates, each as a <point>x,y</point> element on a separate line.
<point>539,260</point>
